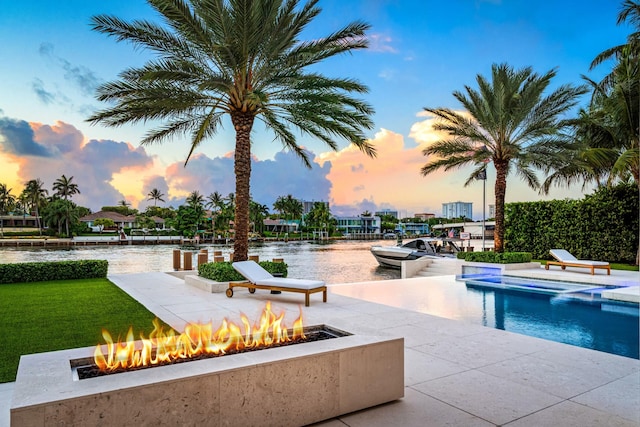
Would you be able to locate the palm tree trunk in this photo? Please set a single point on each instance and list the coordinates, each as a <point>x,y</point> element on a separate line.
<point>243,123</point>
<point>500,191</point>
<point>38,221</point>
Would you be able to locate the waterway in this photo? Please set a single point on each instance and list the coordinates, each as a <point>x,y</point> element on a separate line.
<point>333,262</point>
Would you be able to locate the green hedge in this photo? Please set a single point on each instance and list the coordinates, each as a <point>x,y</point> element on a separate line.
<point>496,257</point>
<point>224,272</point>
<point>55,270</point>
<point>603,226</point>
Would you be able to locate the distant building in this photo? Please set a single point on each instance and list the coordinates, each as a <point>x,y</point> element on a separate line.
<point>121,221</point>
<point>412,228</point>
<point>457,210</point>
<point>358,224</point>
<point>281,225</point>
<point>424,216</point>
<point>384,212</point>
<point>307,206</point>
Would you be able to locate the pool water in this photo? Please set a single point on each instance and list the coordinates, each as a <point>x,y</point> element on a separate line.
<point>559,311</point>
<point>586,321</point>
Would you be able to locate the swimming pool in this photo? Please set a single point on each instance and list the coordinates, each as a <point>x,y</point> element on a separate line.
<point>571,313</point>
<point>586,321</point>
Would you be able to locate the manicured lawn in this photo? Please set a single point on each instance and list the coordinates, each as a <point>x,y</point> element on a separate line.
<point>47,316</point>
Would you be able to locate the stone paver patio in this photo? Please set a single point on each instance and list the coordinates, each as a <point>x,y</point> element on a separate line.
<point>455,373</point>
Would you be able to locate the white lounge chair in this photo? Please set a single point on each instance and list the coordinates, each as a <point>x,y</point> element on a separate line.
<point>565,259</point>
<point>259,278</point>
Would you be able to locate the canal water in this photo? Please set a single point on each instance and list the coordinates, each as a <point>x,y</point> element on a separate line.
<point>333,262</point>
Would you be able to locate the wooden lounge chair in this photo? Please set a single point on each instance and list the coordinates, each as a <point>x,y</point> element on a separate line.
<point>259,278</point>
<point>565,259</point>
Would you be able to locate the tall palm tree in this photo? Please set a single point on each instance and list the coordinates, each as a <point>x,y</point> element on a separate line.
<point>215,202</point>
<point>294,207</point>
<point>195,199</point>
<point>36,194</point>
<point>7,203</point>
<point>257,214</point>
<point>155,195</point>
<point>319,216</point>
<point>243,59</point>
<point>607,151</point>
<point>65,188</point>
<point>56,213</point>
<point>630,13</point>
<point>280,205</point>
<point>507,120</point>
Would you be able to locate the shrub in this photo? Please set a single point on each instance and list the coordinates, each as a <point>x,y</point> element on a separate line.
<point>495,257</point>
<point>56,270</point>
<point>224,272</point>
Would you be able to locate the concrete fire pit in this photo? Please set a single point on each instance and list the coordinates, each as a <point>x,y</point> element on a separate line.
<point>285,386</point>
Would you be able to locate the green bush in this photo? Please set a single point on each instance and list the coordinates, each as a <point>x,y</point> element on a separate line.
<point>224,272</point>
<point>495,257</point>
<point>603,226</point>
<point>55,270</point>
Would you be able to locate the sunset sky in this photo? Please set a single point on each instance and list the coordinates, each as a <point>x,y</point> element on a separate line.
<point>420,52</point>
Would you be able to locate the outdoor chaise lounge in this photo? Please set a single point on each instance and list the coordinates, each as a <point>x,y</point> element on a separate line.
<point>259,278</point>
<point>565,259</point>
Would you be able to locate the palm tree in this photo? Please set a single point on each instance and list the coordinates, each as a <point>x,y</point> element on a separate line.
<point>195,199</point>
<point>215,202</point>
<point>56,213</point>
<point>607,134</point>
<point>257,214</point>
<point>507,120</point>
<point>319,216</point>
<point>196,204</point>
<point>36,194</point>
<point>630,12</point>
<point>242,59</point>
<point>7,203</point>
<point>64,188</point>
<point>294,207</point>
<point>280,205</point>
<point>155,195</point>
<point>22,205</point>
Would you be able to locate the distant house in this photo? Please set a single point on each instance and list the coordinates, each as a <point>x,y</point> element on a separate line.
<point>281,225</point>
<point>358,224</point>
<point>121,221</point>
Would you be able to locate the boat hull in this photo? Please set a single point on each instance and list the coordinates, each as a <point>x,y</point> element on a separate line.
<point>392,256</point>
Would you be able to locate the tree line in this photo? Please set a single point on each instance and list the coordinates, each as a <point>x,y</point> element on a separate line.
<point>199,214</point>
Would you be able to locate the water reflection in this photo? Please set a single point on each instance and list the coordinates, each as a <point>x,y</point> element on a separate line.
<point>333,262</point>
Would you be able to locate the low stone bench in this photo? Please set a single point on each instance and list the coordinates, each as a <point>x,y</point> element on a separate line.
<point>207,285</point>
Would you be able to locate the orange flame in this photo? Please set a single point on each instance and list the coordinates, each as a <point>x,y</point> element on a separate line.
<point>197,339</point>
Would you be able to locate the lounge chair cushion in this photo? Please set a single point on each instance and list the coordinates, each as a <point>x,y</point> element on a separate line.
<point>565,256</point>
<point>252,271</point>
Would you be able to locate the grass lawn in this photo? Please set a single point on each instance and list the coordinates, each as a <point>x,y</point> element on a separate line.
<point>47,316</point>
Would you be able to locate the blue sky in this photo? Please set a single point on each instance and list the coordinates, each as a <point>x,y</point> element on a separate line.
<point>420,52</point>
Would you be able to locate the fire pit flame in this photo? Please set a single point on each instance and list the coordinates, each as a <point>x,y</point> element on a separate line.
<point>196,340</point>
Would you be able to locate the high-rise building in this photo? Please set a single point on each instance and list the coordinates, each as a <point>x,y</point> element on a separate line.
<point>457,210</point>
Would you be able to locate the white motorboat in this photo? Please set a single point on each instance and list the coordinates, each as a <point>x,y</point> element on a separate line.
<point>392,256</point>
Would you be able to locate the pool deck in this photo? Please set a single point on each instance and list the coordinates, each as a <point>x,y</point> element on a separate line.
<point>456,374</point>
